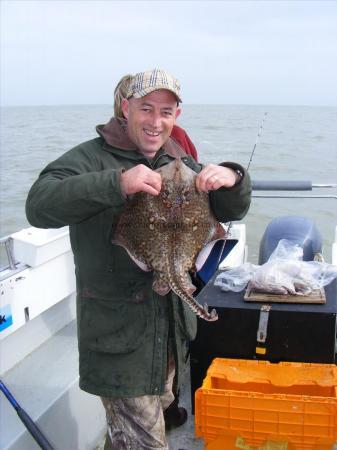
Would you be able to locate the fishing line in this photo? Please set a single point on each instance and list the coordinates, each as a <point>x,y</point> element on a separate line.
<point>258,136</point>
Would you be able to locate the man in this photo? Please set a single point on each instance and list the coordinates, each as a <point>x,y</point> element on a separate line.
<point>132,342</point>
<point>178,134</point>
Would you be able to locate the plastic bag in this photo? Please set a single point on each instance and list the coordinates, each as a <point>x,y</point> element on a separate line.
<point>285,272</point>
<point>235,279</point>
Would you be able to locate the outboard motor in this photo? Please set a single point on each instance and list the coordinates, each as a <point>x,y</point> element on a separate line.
<point>299,230</point>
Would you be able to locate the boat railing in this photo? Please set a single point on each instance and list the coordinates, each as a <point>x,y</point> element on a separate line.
<point>7,243</point>
<point>286,185</point>
<point>9,266</point>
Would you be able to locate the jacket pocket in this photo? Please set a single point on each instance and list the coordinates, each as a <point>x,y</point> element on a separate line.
<point>113,327</point>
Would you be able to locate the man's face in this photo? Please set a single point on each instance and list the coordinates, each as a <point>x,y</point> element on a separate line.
<point>150,120</point>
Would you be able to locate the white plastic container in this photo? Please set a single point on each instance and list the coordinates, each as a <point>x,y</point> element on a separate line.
<point>34,246</point>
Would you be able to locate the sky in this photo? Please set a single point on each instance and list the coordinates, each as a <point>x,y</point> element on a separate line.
<point>223,52</point>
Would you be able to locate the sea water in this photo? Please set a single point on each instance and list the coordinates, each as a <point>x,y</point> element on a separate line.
<point>296,143</point>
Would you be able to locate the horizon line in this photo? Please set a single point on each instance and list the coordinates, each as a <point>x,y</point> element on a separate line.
<point>183,104</point>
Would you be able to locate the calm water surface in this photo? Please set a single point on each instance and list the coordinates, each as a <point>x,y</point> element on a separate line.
<point>297,143</point>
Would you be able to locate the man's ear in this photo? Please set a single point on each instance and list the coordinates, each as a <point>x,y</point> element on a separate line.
<point>178,111</point>
<point>125,107</point>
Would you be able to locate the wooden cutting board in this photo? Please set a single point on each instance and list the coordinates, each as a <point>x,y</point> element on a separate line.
<point>317,296</point>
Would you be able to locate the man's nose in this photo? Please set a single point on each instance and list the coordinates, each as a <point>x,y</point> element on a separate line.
<point>156,120</point>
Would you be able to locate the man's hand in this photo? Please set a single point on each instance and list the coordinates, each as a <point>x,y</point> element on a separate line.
<point>140,179</point>
<point>213,177</point>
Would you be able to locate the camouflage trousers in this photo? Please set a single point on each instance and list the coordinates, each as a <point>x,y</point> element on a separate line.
<point>138,423</point>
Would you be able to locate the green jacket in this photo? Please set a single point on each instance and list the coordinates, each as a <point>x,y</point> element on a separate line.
<point>123,325</point>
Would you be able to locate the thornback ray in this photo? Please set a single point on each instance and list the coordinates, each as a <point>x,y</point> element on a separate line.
<point>165,233</point>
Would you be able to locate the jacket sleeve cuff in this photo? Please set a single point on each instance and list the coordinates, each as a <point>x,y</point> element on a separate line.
<point>238,169</point>
<point>232,203</point>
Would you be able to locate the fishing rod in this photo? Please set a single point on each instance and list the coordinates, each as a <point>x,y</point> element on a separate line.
<point>256,140</point>
<point>258,136</point>
<point>27,420</point>
<point>272,185</point>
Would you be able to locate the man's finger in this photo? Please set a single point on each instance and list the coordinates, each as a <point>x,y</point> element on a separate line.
<point>153,179</point>
<point>150,189</point>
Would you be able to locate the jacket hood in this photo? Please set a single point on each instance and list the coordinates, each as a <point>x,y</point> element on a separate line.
<point>115,135</point>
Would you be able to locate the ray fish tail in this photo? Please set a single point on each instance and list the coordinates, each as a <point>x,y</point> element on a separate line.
<point>176,283</point>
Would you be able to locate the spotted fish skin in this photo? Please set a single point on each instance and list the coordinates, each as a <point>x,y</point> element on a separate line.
<point>165,233</point>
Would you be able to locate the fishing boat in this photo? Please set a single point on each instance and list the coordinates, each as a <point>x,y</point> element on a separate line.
<point>38,341</point>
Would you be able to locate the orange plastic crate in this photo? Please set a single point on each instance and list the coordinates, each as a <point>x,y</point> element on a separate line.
<point>258,401</point>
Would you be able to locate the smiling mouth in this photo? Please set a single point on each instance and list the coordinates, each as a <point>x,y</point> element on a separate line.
<point>151,133</point>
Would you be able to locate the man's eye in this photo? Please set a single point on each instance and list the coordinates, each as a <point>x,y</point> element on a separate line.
<point>167,113</point>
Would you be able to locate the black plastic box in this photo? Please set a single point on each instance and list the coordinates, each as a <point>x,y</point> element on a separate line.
<point>292,332</point>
